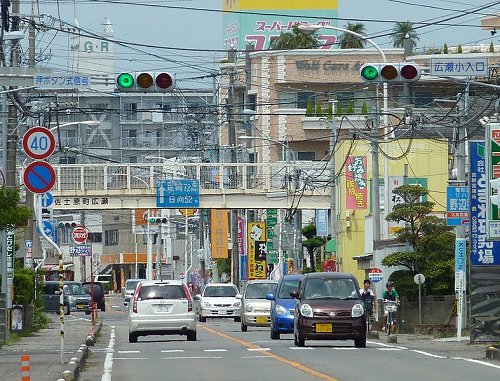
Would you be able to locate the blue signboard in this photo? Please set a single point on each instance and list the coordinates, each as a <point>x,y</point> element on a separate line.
<point>49,229</point>
<point>482,251</point>
<point>47,200</point>
<point>457,206</point>
<point>177,193</point>
<point>322,222</point>
<point>460,251</point>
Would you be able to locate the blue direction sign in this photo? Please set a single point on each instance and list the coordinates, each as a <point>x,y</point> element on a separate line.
<point>176,193</point>
<point>47,200</point>
<point>39,177</point>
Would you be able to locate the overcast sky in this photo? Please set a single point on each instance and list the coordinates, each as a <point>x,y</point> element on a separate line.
<point>152,24</point>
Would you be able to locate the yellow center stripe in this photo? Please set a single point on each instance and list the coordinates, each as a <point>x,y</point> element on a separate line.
<point>294,364</point>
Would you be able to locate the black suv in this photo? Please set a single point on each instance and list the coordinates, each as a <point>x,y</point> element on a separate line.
<point>98,294</point>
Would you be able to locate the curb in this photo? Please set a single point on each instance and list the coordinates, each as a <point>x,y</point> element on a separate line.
<point>76,363</point>
<point>493,353</point>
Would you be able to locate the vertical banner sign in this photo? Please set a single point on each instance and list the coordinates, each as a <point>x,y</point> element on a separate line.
<point>10,254</point>
<point>482,251</point>
<point>457,206</point>
<point>242,249</point>
<point>493,181</point>
<point>460,252</point>
<point>219,230</point>
<point>322,223</point>
<point>356,184</point>
<point>256,233</point>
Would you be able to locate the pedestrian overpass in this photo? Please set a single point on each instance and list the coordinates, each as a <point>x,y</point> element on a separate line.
<point>302,185</point>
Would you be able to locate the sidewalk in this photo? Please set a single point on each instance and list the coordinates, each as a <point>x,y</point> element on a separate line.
<point>44,348</point>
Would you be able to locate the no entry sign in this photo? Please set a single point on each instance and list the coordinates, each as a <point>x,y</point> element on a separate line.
<point>79,235</point>
<point>39,177</point>
<point>39,143</point>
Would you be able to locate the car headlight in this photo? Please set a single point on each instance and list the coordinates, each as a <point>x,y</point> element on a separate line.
<point>237,304</point>
<point>248,308</point>
<point>357,310</point>
<point>280,310</point>
<point>306,310</point>
<point>206,304</point>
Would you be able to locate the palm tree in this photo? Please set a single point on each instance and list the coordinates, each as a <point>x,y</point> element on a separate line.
<point>295,40</point>
<point>403,31</point>
<point>349,41</point>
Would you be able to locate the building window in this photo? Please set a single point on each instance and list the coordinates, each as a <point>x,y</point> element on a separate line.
<point>423,99</point>
<point>111,237</point>
<point>130,111</point>
<point>252,102</point>
<point>306,155</point>
<point>304,97</point>
<point>344,99</point>
<point>95,237</point>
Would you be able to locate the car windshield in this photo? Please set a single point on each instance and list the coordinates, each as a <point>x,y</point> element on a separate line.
<point>73,289</point>
<point>288,286</point>
<point>328,288</point>
<point>220,291</point>
<point>131,285</point>
<point>88,288</point>
<point>158,291</point>
<point>259,290</point>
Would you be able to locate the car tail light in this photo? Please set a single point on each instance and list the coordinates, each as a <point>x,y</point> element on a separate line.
<point>136,296</point>
<point>188,296</point>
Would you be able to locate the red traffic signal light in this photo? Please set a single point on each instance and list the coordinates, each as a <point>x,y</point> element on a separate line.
<point>390,72</point>
<point>159,82</point>
<point>68,224</point>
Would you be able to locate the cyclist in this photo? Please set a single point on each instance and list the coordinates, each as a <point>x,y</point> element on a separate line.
<point>392,295</point>
<point>367,296</point>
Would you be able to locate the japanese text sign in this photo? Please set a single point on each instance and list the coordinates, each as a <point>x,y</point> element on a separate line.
<point>459,67</point>
<point>356,183</point>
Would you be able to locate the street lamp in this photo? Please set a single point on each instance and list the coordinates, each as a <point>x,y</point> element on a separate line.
<point>88,123</point>
<point>375,169</point>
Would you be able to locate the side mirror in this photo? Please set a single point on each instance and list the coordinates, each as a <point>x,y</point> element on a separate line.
<point>294,294</point>
<point>269,296</point>
<point>239,296</point>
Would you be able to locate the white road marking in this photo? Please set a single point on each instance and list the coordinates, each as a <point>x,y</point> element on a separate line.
<point>215,350</point>
<point>477,362</point>
<point>256,357</point>
<point>116,306</point>
<point>258,349</point>
<point>129,351</point>
<point>388,349</point>
<point>428,354</point>
<point>131,358</point>
<point>108,362</point>
<point>300,348</point>
<point>386,345</point>
<point>191,357</point>
<point>172,350</point>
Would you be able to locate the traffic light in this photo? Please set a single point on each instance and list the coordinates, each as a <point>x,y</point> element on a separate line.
<point>157,220</point>
<point>145,82</point>
<point>67,224</point>
<point>390,72</point>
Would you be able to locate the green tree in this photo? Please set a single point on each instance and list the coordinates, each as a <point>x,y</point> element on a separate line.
<point>491,49</point>
<point>11,214</point>
<point>309,109</point>
<point>319,111</point>
<point>459,49</point>
<point>364,108</point>
<point>350,41</point>
<point>403,31</point>
<point>312,243</point>
<point>296,39</point>
<point>431,242</point>
<point>445,48</point>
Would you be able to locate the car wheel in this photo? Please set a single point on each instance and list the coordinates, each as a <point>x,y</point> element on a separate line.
<point>360,343</point>
<point>191,336</point>
<point>203,319</point>
<point>244,327</point>
<point>275,335</point>
<point>132,337</point>
<point>66,309</point>
<point>237,319</point>
<point>299,340</point>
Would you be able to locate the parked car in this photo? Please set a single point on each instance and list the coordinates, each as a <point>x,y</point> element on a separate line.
<point>218,300</point>
<point>106,280</point>
<point>255,308</point>
<point>75,298</point>
<point>99,297</point>
<point>329,307</point>
<point>128,290</point>
<point>283,305</point>
<point>161,308</point>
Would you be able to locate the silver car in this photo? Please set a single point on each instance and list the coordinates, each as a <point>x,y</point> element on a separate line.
<point>255,308</point>
<point>128,291</point>
<point>219,300</point>
<point>161,308</point>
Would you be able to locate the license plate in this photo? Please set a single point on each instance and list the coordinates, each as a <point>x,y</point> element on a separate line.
<point>80,306</point>
<point>261,320</point>
<point>222,312</point>
<point>162,308</point>
<point>324,328</point>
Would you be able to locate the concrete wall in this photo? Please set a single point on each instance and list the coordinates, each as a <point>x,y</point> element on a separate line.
<point>436,310</point>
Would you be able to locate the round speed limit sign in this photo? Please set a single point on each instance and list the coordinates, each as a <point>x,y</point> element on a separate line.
<point>39,143</point>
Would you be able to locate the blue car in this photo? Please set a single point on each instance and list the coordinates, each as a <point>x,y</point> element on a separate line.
<point>283,305</point>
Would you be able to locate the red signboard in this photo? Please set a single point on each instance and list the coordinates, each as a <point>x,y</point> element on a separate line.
<point>356,182</point>
<point>39,143</point>
<point>79,235</point>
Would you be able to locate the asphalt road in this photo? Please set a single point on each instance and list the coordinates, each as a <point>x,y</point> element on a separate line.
<point>222,352</point>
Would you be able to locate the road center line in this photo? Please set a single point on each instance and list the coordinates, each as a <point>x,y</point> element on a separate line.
<point>428,354</point>
<point>294,364</point>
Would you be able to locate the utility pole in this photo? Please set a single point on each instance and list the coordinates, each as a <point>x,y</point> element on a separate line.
<point>333,174</point>
<point>376,176</point>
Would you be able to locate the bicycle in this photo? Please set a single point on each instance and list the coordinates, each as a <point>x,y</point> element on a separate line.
<point>390,310</point>
<point>368,304</point>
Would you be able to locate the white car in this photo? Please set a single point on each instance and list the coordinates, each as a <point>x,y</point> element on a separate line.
<point>161,308</point>
<point>255,308</point>
<point>128,291</point>
<point>219,300</point>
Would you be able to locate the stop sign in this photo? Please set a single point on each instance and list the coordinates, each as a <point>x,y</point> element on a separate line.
<point>79,235</point>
